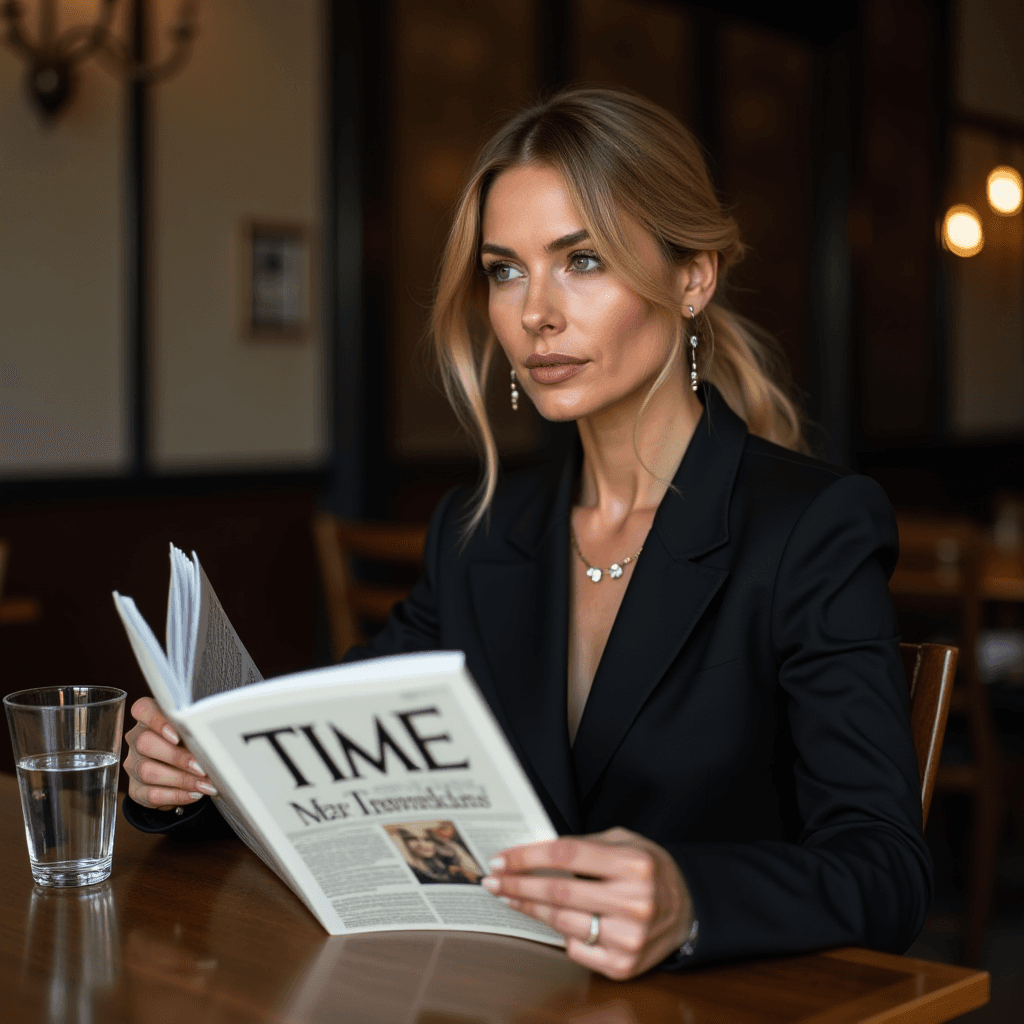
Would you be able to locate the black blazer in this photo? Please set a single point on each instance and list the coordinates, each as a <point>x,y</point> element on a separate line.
<point>749,712</point>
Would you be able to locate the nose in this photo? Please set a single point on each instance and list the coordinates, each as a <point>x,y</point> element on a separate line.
<point>542,308</point>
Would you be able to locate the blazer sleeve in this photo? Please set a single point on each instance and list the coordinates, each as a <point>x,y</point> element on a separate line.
<point>860,873</point>
<point>412,626</point>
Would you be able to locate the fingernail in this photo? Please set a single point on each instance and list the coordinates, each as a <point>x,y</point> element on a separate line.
<point>195,796</point>
<point>497,863</point>
<point>490,884</point>
<point>170,735</point>
<point>207,787</point>
<point>194,765</point>
<point>505,900</point>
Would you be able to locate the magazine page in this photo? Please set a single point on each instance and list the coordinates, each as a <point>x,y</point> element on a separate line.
<point>219,661</point>
<point>233,810</point>
<point>168,688</point>
<point>382,787</point>
<point>172,695</point>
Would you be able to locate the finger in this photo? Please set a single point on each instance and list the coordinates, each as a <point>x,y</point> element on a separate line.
<point>617,964</point>
<point>152,745</point>
<point>156,773</point>
<point>613,932</point>
<point>627,898</point>
<point>160,797</point>
<point>593,857</point>
<point>147,711</point>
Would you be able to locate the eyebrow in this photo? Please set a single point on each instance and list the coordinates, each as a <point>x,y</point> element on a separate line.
<point>557,245</point>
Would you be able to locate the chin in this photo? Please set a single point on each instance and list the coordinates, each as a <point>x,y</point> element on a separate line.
<point>561,412</point>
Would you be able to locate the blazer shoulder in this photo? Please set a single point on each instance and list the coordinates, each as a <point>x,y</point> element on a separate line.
<point>773,476</point>
<point>774,458</point>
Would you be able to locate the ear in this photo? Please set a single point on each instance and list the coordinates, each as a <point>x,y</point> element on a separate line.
<point>697,281</point>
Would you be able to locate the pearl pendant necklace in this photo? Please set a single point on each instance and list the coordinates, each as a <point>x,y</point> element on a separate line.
<point>614,571</point>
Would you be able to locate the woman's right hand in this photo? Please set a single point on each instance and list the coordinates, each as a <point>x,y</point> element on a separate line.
<point>162,773</point>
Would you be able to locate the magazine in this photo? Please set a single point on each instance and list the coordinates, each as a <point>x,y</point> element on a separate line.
<point>377,791</point>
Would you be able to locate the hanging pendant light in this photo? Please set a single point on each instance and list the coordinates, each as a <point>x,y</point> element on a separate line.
<point>961,231</point>
<point>1005,191</point>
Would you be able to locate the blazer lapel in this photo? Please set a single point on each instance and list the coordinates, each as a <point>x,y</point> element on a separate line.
<point>522,609</point>
<point>668,592</point>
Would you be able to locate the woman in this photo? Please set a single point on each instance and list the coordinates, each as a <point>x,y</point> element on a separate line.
<point>450,849</point>
<point>685,631</point>
<point>427,861</point>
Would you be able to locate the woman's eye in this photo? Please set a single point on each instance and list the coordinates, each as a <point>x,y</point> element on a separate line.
<point>584,262</point>
<point>502,272</point>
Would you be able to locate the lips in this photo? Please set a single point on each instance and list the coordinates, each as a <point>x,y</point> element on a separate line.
<point>553,367</point>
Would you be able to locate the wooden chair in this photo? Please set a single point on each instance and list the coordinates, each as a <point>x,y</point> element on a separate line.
<point>939,569</point>
<point>930,670</point>
<point>340,544</point>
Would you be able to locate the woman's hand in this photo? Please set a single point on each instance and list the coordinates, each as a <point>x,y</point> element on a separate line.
<point>632,884</point>
<point>162,773</point>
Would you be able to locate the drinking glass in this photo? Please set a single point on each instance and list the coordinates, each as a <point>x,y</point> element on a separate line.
<point>67,744</point>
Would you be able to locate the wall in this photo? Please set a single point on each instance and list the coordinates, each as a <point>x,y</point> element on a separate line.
<point>237,138</point>
<point>62,359</point>
<point>458,71</point>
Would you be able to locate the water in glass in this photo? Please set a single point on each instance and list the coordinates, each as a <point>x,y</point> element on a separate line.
<point>69,804</point>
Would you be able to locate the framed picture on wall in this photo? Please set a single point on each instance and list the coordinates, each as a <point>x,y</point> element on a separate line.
<point>276,279</point>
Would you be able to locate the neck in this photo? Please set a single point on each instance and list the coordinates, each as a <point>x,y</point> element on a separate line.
<point>628,465</point>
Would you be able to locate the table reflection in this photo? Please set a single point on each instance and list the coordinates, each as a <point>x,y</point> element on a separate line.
<point>424,978</point>
<point>72,934</point>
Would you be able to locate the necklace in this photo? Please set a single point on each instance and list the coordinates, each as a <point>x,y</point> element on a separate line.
<point>614,570</point>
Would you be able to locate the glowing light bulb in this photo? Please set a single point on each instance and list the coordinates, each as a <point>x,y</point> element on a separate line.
<point>1005,191</point>
<point>961,231</point>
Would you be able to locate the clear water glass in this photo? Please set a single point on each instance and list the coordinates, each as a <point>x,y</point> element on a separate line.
<point>67,743</point>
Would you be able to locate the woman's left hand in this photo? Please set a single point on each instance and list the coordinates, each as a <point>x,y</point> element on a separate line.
<point>632,884</point>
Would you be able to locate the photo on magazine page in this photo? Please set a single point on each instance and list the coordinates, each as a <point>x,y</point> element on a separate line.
<point>435,852</point>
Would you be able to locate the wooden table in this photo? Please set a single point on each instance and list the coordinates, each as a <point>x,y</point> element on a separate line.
<point>1002,575</point>
<point>200,933</point>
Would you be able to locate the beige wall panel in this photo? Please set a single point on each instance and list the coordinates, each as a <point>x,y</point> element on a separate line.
<point>237,137</point>
<point>990,71</point>
<point>62,409</point>
<point>460,69</point>
<point>987,344</point>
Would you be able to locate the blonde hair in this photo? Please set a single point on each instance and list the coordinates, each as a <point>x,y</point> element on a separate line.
<point>619,154</point>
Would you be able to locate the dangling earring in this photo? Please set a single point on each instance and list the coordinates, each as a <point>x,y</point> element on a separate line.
<point>515,393</point>
<point>693,350</point>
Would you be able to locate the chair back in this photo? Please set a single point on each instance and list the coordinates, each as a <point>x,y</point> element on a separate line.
<point>930,670</point>
<point>342,545</point>
<point>940,564</point>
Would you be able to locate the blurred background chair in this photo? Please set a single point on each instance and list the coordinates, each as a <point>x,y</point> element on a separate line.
<point>350,555</point>
<point>937,577</point>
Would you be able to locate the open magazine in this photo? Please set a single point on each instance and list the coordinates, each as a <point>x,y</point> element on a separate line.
<point>377,791</point>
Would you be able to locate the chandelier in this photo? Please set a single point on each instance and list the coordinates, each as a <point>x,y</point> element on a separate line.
<point>53,56</point>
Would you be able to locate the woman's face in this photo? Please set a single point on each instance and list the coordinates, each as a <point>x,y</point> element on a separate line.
<point>422,848</point>
<point>580,340</point>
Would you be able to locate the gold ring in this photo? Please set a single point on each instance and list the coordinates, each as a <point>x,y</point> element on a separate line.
<point>595,930</point>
